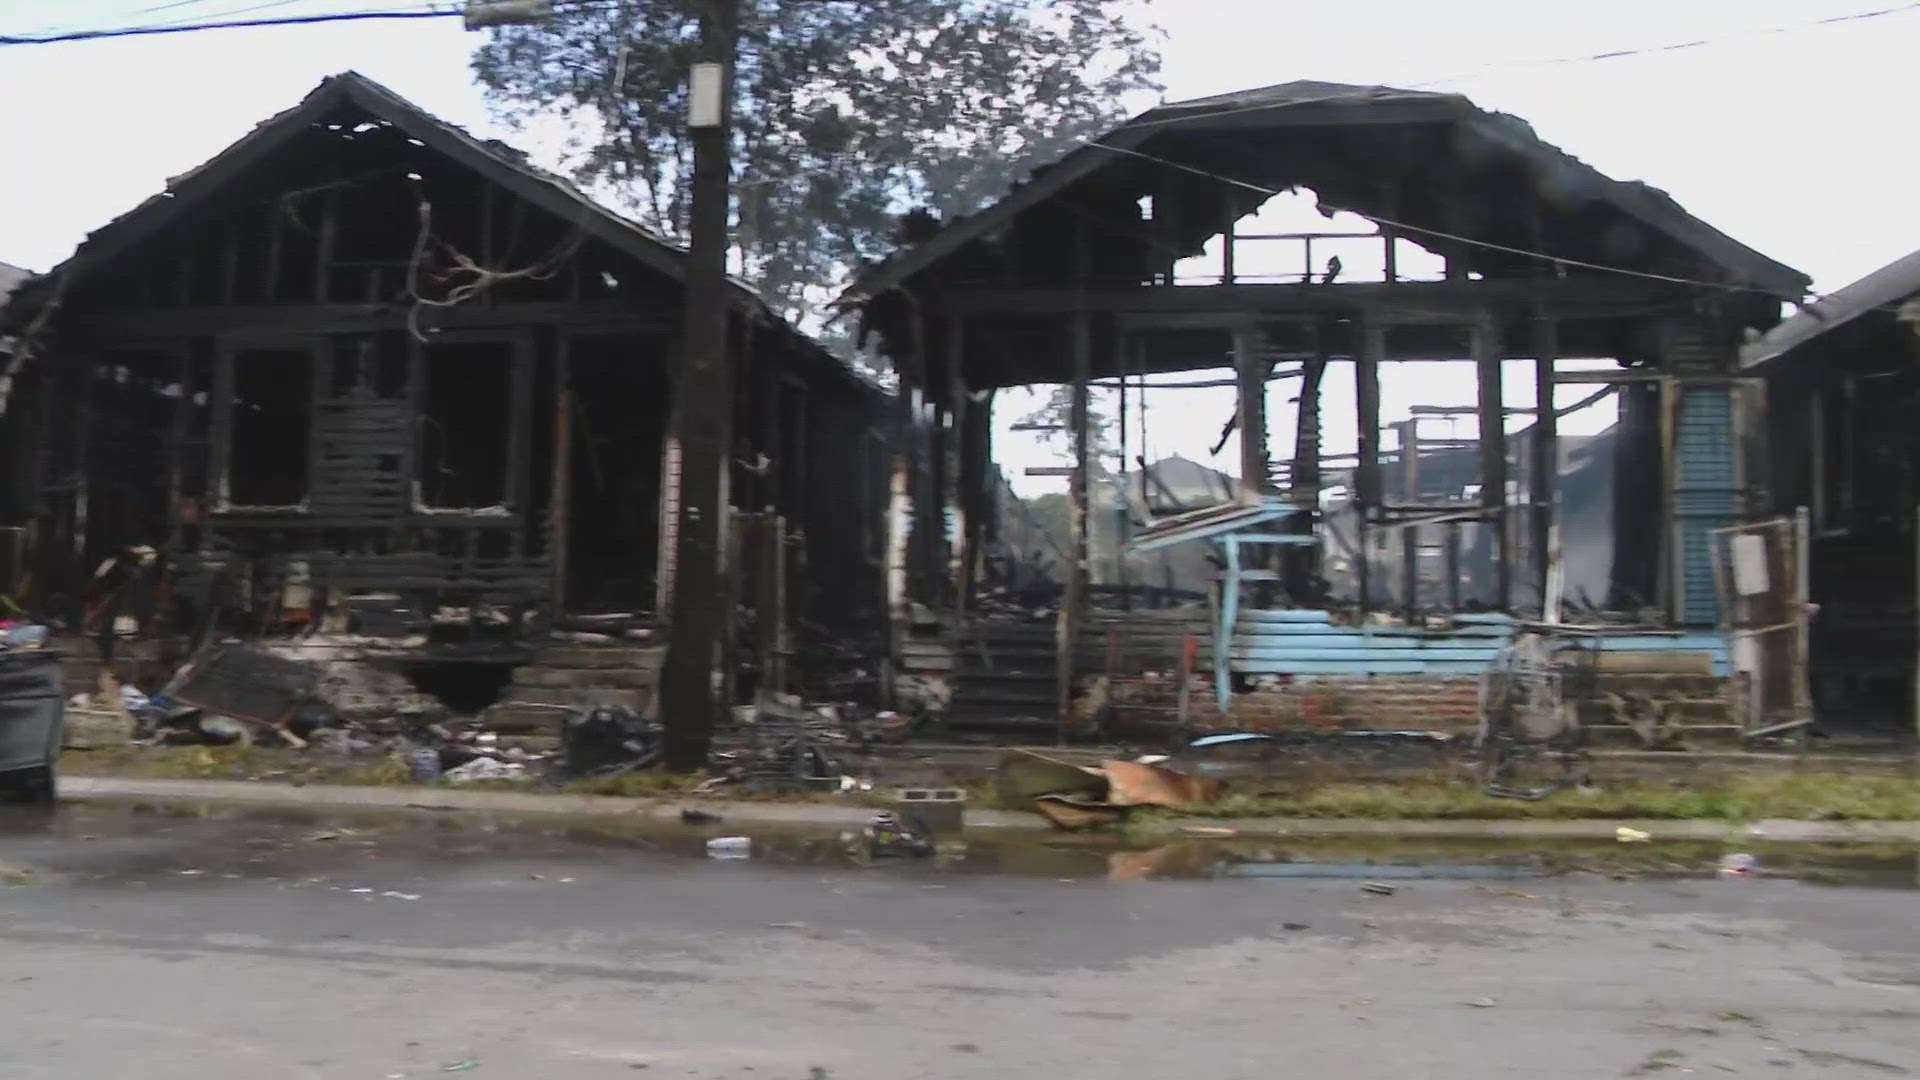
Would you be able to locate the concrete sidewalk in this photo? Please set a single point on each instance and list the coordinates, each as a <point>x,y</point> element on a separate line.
<point>827,815</point>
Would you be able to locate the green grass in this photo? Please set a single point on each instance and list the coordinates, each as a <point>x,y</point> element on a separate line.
<point>1809,796</point>
<point>1805,796</point>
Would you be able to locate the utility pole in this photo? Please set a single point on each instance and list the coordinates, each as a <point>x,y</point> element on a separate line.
<point>702,426</point>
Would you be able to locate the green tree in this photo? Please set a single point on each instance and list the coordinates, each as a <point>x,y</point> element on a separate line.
<point>849,114</point>
<point>1053,514</point>
<point>1052,424</point>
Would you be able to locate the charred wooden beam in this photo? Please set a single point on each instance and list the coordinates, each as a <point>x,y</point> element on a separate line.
<point>142,326</point>
<point>323,251</point>
<point>1545,447</point>
<point>1366,392</point>
<point>1571,297</point>
<point>1067,636</point>
<point>1493,453</point>
<point>952,438</point>
<point>1250,371</point>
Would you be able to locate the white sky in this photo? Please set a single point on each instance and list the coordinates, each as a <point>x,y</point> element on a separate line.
<point>1791,142</point>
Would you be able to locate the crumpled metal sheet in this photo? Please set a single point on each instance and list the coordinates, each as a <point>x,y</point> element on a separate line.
<point>1067,812</point>
<point>1023,775</point>
<point>1133,783</point>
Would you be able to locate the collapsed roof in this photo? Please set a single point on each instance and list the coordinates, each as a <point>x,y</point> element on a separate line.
<point>1479,188</point>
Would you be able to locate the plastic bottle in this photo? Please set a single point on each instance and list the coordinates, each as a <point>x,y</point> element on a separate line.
<point>730,847</point>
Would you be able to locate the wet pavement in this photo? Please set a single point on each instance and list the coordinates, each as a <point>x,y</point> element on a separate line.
<point>176,941</point>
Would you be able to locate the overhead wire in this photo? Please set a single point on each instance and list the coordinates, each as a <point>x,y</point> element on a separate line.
<point>1613,54</point>
<point>430,10</point>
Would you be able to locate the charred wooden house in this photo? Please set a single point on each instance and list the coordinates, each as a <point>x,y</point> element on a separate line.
<point>364,369</point>
<point>1588,284</point>
<point>1843,376</point>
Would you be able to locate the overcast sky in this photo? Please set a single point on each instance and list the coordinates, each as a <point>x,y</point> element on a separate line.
<point>1795,142</point>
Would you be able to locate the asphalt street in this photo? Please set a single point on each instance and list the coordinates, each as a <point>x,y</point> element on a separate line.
<point>221,943</point>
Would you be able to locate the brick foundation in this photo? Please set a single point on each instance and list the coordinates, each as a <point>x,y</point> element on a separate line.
<point>1371,702</point>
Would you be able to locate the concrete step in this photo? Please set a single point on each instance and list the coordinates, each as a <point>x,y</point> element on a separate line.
<point>576,697</point>
<point>971,676</point>
<point>600,656</point>
<point>1688,711</point>
<point>998,697</point>
<point>1662,685</point>
<point>1693,735</point>
<point>517,720</point>
<point>586,678</point>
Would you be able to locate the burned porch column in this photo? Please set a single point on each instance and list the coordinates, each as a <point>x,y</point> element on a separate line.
<point>1067,638</point>
<point>1546,451</point>
<point>953,523</point>
<point>1251,413</point>
<point>1493,455</point>
<point>1366,396</point>
<point>908,370</point>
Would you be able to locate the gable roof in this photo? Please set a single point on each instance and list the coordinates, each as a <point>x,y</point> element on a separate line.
<point>1308,102</point>
<point>1883,288</point>
<point>493,160</point>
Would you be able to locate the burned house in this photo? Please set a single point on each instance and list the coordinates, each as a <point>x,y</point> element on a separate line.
<point>1589,286</point>
<point>1842,378</point>
<point>365,371</point>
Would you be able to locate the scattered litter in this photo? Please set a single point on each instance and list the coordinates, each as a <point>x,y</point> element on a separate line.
<point>887,836</point>
<point>1631,836</point>
<point>460,1066</point>
<point>699,817</point>
<point>607,740</point>
<point>486,768</point>
<point>360,890</point>
<point>399,895</point>
<point>315,838</point>
<point>189,873</point>
<point>567,880</point>
<point>1209,832</point>
<point>730,847</point>
<point>1738,864</point>
<point>1378,888</point>
<point>1483,1003</point>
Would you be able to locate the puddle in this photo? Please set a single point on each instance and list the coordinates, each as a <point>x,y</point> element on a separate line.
<point>108,843</point>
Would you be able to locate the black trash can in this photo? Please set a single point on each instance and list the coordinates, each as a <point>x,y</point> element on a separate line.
<point>32,712</point>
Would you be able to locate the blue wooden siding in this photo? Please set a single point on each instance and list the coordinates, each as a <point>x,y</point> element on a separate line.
<point>1704,497</point>
<point>1308,643</point>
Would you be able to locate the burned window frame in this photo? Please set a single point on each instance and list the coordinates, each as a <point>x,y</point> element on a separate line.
<point>518,458</point>
<point>228,349</point>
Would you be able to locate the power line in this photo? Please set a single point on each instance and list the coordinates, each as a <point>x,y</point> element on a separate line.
<point>1614,54</point>
<point>431,9</point>
<point>182,28</point>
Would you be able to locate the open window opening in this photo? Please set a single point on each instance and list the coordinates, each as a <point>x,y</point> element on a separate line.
<point>465,424</point>
<point>268,461</point>
<point>620,397</point>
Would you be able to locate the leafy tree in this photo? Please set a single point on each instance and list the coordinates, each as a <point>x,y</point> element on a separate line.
<point>1053,422</point>
<point>849,112</point>
<point>1053,513</point>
